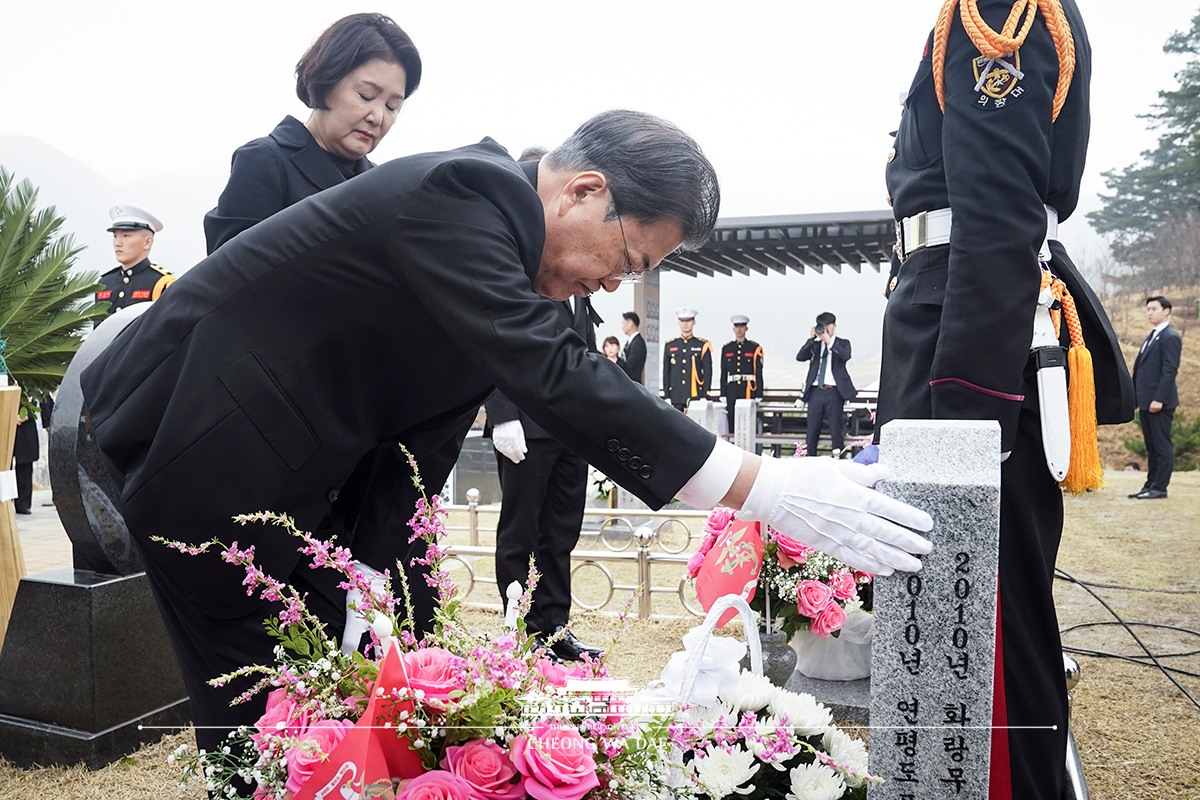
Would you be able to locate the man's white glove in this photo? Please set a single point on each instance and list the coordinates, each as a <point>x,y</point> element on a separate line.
<point>509,440</point>
<point>825,504</point>
<point>356,621</point>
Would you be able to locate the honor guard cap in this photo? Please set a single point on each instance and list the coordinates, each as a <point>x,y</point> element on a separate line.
<point>132,218</point>
<point>740,319</point>
<point>685,313</point>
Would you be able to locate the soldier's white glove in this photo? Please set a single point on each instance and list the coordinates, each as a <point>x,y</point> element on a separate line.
<point>825,504</point>
<point>509,440</point>
<point>356,622</point>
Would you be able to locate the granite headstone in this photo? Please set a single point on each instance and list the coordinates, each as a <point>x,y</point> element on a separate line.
<point>87,673</point>
<point>934,645</point>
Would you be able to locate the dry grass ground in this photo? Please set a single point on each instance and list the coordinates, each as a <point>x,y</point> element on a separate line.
<point>1136,731</point>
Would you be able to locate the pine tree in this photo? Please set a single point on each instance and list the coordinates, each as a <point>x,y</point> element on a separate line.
<point>45,307</point>
<point>1164,188</point>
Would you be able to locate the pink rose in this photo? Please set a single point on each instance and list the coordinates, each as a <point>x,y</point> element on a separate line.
<point>436,785</point>
<point>315,746</point>
<point>717,522</point>
<point>790,551</point>
<point>282,718</point>
<point>830,619</point>
<point>435,671</point>
<point>811,597</point>
<point>486,768</point>
<point>556,761</point>
<point>695,563</point>
<point>843,584</point>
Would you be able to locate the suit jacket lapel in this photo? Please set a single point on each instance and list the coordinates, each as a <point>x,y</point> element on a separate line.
<point>308,157</point>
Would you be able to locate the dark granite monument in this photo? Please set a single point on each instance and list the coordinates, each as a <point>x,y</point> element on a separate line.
<point>87,673</point>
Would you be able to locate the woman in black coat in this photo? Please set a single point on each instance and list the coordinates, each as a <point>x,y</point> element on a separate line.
<point>355,78</point>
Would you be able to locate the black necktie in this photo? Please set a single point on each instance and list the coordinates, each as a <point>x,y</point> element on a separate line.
<point>824,362</point>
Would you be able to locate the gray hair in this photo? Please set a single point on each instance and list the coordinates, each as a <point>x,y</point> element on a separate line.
<point>654,171</point>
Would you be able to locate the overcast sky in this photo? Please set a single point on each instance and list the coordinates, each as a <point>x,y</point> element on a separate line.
<point>792,101</point>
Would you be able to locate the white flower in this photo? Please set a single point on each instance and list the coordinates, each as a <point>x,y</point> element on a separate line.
<point>851,752</point>
<point>805,716</point>
<point>768,729</point>
<point>719,715</point>
<point>721,773</point>
<point>752,692</point>
<point>815,781</point>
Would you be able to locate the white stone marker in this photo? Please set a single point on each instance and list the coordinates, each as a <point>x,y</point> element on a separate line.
<point>934,646</point>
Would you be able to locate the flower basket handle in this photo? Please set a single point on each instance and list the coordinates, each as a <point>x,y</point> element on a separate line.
<point>691,667</point>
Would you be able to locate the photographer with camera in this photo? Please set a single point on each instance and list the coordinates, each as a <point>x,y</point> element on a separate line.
<point>828,386</point>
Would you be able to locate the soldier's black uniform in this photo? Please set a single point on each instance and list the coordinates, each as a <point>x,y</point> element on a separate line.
<point>141,283</point>
<point>959,323</point>
<point>741,373</point>
<point>687,370</point>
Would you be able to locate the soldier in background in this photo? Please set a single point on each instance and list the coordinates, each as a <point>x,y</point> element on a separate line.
<point>136,280</point>
<point>741,367</point>
<point>687,364</point>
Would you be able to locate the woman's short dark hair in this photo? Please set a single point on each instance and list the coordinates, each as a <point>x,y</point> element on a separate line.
<point>612,340</point>
<point>348,44</point>
<point>654,170</point>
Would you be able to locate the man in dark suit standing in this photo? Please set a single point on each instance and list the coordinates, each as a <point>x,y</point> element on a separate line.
<point>388,308</point>
<point>1154,373</point>
<point>633,355</point>
<point>545,492</point>
<point>828,385</point>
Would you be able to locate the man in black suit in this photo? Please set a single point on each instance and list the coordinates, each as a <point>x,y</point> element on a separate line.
<point>828,385</point>
<point>388,308</point>
<point>1154,373</point>
<point>633,355</point>
<point>545,492</point>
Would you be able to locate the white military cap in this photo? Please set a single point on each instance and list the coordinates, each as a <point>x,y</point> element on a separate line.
<point>685,313</point>
<point>132,218</point>
<point>740,319</point>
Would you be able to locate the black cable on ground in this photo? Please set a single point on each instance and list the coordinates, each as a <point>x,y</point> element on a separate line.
<point>1086,586</point>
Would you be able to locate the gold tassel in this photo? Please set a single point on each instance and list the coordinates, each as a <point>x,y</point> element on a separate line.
<point>1086,473</point>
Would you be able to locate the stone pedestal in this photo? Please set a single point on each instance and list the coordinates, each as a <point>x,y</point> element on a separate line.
<point>87,673</point>
<point>934,640</point>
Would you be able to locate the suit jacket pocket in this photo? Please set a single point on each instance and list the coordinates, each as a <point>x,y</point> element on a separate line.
<point>269,409</point>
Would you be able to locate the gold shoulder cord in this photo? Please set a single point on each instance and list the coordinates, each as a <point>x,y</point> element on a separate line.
<point>996,45</point>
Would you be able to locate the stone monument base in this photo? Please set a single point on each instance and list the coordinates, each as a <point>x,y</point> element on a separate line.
<point>850,701</point>
<point>86,671</point>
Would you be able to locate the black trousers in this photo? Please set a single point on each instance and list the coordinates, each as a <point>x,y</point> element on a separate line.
<point>1031,516</point>
<point>825,408</point>
<point>24,498</point>
<point>541,515</point>
<point>1160,450</point>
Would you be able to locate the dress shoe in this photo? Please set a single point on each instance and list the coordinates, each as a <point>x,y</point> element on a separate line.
<point>1151,494</point>
<point>1139,491</point>
<point>568,648</point>
<point>24,511</point>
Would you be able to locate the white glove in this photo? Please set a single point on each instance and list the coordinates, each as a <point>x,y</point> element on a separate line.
<point>825,504</point>
<point>509,440</point>
<point>356,622</point>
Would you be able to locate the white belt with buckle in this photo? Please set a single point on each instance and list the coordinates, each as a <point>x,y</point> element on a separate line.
<point>741,378</point>
<point>932,228</point>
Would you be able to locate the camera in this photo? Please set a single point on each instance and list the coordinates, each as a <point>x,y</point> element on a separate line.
<point>820,328</point>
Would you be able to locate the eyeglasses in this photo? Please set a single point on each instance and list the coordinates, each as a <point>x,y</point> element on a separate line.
<point>631,274</point>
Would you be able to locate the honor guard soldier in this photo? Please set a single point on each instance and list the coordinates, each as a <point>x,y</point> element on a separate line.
<point>741,367</point>
<point>136,280</point>
<point>687,364</point>
<point>987,160</point>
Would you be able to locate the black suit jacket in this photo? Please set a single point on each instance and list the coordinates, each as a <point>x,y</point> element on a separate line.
<point>501,409</point>
<point>270,174</point>
<point>839,354</point>
<point>384,308</point>
<point>633,357</point>
<point>1155,368</point>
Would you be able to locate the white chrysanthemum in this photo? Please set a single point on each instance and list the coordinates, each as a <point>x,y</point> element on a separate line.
<point>752,693</point>
<point>722,773</point>
<point>720,714</point>
<point>815,781</point>
<point>805,716</point>
<point>851,752</point>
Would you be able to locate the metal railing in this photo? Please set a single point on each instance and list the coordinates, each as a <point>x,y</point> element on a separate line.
<point>617,533</point>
